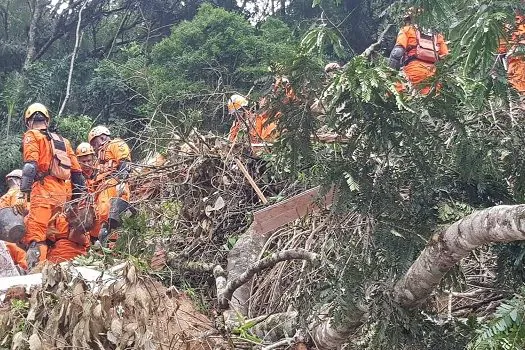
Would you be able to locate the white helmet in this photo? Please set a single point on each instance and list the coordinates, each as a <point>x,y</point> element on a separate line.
<point>84,149</point>
<point>97,131</point>
<point>236,102</point>
<point>15,173</point>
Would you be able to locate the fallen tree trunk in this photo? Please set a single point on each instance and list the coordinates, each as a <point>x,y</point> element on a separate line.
<point>499,224</point>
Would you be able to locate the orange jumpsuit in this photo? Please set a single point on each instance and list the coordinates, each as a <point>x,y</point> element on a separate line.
<point>516,63</point>
<point>64,249</point>
<point>48,194</point>
<point>418,71</point>
<point>9,198</point>
<point>259,132</point>
<point>260,129</point>
<point>17,254</point>
<point>110,157</point>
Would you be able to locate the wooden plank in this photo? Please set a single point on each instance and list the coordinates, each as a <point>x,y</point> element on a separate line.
<point>277,215</point>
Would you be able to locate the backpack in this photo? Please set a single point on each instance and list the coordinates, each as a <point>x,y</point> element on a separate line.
<point>60,166</point>
<point>426,47</point>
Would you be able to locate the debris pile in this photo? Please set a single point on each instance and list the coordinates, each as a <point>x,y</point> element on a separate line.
<point>131,311</point>
<point>198,201</point>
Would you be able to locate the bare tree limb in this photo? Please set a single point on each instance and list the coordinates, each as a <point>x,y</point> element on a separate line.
<point>286,342</point>
<point>260,265</point>
<point>498,224</point>
<point>73,56</point>
<point>493,225</point>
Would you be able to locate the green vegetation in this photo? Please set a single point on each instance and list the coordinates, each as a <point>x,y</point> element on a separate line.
<point>409,163</point>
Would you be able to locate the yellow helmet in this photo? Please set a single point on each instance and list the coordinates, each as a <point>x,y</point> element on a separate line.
<point>97,131</point>
<point>84,149</point>
<point>37,107</point>
<point>236,102</point>
<point>15,173</point>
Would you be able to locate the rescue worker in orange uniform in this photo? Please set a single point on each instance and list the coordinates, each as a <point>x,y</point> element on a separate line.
<point>514,49</point>
<point>13,183</point>
<point>114,166</point>
<point>49,161</point>
<point>258,129</point>
<point>8,200</point>
<point>418,53</point>
<point>87,160</point>
<point>68,244</point>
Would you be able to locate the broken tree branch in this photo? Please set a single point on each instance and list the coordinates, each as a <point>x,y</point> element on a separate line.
<point>374,46</point>
<point>248,177</point>
<point>260,265</point>
<point>286,342</point>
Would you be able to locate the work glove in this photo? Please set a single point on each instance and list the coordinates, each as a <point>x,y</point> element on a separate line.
<point>21,203</point>
<point>120,189</point>
<point>33,254</point>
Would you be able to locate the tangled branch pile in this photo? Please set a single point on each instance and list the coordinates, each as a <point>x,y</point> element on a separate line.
<point>197,203</point>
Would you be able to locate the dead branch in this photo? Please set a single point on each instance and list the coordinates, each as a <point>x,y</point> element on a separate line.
<point>265,263</point>
<point>373,47</point>
<point>73,56</point>
<point>283,342</point>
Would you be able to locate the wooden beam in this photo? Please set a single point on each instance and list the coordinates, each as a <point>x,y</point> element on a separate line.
<point>277,215</point>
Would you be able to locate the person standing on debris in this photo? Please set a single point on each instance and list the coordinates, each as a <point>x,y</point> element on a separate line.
<point>418,52</point>
<point>514,55</point>
<point>49,161</point>
<point>8,200</point>
<point>258,129</point>
<point>114,166</point>
<point>70,229</point>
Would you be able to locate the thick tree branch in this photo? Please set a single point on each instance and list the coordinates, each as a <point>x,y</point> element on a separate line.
<point>260,265</point>
<point>493,225</point>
